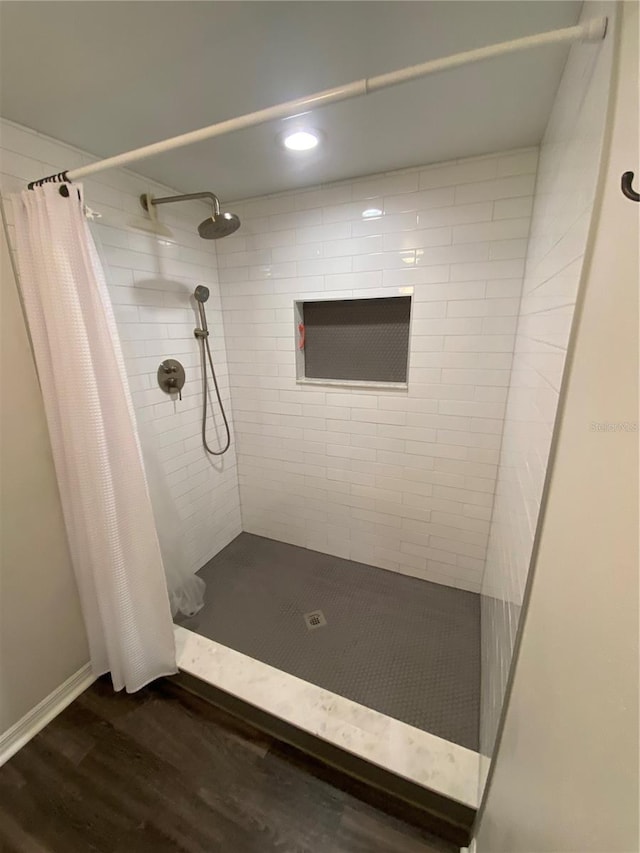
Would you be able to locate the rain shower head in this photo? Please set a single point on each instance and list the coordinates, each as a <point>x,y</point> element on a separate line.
<point>214,227</point>
<point>201,293</point>
<point>218,225</point>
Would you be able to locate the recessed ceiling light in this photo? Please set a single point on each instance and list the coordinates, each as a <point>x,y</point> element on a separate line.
<point>301,140</point>
<point>371,212</point>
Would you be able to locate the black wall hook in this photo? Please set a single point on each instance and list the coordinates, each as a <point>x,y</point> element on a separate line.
<point>626,185</point>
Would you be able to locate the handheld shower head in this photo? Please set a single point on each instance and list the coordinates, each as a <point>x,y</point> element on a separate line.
<point>201,293</point>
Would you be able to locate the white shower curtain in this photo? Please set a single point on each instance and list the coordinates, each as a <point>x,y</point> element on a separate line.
<point>105,500</point>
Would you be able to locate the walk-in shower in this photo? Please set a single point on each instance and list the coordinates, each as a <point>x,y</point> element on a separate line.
<point>344,539</point>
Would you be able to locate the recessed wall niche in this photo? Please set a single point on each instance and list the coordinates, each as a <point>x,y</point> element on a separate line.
<point>354,340</point>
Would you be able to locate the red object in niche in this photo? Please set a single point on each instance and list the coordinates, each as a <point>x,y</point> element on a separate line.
<point>302,331</point>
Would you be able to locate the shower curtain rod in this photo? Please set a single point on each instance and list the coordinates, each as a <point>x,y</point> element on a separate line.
<point>593,30</point>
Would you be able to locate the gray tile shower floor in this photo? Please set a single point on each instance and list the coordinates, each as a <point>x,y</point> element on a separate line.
<point>405,647</point>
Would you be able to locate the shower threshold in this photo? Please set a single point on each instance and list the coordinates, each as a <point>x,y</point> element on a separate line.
<point>335,678</point>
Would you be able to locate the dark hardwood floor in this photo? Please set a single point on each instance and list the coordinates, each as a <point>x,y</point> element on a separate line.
<point>163,770</point>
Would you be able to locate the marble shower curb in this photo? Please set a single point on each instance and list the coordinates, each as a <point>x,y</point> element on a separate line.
<point>425,759</point>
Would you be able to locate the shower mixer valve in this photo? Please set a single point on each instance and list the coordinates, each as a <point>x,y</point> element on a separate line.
<point>171,377</point>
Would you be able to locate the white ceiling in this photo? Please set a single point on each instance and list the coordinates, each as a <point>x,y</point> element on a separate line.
<point>111,76</point>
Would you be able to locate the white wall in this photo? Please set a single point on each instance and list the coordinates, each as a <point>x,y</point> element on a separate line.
<point>565,777</point>
<point>42,637</point>
<point>401,480</point>
<point>565,187</point>
<point>195,499</point>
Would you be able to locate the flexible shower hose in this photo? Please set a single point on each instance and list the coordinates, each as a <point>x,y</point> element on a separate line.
<point>204,340</point>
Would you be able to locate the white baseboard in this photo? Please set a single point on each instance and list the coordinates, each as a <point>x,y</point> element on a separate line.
<point>37,718</point>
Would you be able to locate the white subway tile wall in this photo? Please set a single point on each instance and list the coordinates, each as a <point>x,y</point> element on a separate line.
<point>565,189</point>
<point>195,500</point>
<point>403,480</point>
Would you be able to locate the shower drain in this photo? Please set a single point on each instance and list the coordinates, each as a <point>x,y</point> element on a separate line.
<point>315,619</point>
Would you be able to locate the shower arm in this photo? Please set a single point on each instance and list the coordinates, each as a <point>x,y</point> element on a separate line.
<point>145,199</point>
<point>592,30</point>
